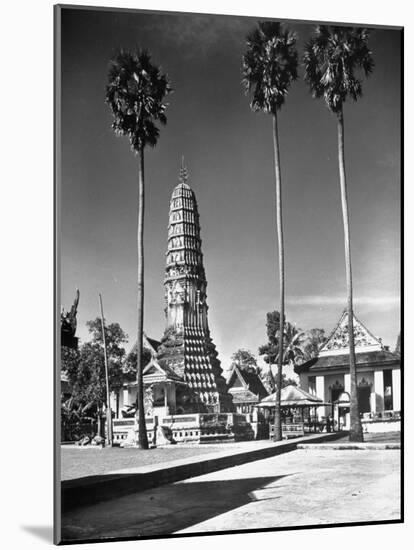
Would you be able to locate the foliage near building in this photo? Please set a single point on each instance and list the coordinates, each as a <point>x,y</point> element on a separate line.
<point>86,373</point>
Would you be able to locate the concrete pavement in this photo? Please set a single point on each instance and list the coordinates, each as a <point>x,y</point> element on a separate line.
<point>92,489</point>
<point>298,488</point>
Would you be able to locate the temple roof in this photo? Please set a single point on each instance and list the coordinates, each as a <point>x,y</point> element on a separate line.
<point>245,386</point>
<point>333,354</point>
<point>148,343</point>
<point>154,372</point>
<point>338,340</point>
<point>370,358</point>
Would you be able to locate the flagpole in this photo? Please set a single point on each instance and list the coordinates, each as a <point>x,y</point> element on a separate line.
<point>108,402</point>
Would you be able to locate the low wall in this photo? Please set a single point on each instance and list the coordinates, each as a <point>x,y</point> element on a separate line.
<point>381,425</point>
<point>188,428</point>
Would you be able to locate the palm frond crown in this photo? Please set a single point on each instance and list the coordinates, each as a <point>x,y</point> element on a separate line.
<point>269,65</point>
<point>135,93</point>
<point>331,58</point>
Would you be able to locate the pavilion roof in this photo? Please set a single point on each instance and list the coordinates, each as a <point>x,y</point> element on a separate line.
<point>292,396</point>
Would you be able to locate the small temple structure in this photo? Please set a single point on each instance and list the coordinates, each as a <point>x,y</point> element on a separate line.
<point>378,375</point>
<point>246,388</point>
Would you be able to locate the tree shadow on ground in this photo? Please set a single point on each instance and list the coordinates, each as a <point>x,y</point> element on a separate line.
<point>161,511</point>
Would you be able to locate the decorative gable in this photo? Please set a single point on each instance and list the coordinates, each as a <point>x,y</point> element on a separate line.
<point>338,342</point>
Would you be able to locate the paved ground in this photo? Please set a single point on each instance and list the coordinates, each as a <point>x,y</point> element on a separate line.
<point>298,488</point>
<point>390,437</point>
<point>86,461</point>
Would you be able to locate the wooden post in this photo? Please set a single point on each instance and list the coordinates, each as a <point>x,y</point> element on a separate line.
<point>108,402</point>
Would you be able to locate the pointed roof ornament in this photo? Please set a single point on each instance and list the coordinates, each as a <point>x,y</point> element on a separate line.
<point>183,172</point>
<point>338,343</point>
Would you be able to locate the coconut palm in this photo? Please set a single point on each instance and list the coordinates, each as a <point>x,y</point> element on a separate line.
<point>332,57</point>
<point>135,93</point>
<point>293,341</point>
<point>269,67</point>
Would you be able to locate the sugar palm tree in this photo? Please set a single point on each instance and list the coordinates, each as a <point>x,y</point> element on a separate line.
<point>332,56</point>
<point>135,93</point>
<point>269,67</point>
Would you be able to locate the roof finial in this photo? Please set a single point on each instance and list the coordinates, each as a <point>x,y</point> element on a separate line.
<point>183,171</point>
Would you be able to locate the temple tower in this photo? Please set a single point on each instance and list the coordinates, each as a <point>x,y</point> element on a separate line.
<point>187,347</point>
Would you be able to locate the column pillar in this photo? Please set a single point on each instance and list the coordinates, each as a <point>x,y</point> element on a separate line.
<point>396,389</point>
<point>379,390</point>
<point>166,385</point>
<point>121,400</point>
<point>347,382</point>
<point>320,392</point>
<point>373,399</point>
<point>112,401</point>
<point>125,397</point>
<point>347,388</point>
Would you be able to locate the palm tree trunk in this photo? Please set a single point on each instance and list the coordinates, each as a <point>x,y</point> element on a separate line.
<point>355,433</point>
<point>99,423</point>
<point>277,434</point>
<point>142,436</point>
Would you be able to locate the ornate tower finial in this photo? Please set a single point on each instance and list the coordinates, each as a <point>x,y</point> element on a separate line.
<point>183,172</point>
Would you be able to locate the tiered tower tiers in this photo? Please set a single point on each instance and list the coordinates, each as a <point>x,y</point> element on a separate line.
<point>187,347</point>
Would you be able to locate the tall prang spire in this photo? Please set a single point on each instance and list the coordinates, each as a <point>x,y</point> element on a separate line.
<point>187,347</point>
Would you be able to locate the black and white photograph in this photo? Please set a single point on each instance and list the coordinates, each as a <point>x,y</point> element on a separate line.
<point>228,274</point>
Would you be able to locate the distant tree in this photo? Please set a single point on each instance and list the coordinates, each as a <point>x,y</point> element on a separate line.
<point>269,67</point>
<point>244,360</point>
<point>130,365</point>
<point>87,376</point>
<point>292,351</point>
<point>269,380</point>
<point>313,340</point>
<point>332,57</point>
<point>69,359</point>
<point>135,93</point>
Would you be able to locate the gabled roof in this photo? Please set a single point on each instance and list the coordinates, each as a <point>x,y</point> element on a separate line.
<point>249,383</point>
<point>148,343</point>
<point>154,372</point>
<point>338,340</point>
<point>333,354</point>
<point>372,358</point>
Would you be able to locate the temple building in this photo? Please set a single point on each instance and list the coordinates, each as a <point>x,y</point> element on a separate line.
<point>378,374</point>
<point>246,388</point>
<point>186,347</point>
<point>182,373</point>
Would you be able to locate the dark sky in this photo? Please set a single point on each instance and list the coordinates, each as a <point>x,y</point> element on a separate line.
<point>228,151</point>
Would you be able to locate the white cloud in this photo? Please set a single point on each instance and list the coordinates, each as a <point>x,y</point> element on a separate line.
<point>321,300</point>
